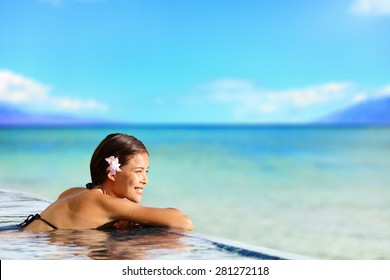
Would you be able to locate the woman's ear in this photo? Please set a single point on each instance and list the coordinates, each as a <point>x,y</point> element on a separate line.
<point>111,177</point>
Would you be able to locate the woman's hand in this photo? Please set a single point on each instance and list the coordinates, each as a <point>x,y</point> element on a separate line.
<point>125,225</point>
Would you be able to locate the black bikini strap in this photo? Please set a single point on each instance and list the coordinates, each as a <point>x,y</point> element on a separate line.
<point>28,220</point>
<point>32,218</point>
<point>43,220</point>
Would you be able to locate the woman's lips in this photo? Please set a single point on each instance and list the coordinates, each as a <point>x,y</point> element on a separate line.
<point>139,190</point>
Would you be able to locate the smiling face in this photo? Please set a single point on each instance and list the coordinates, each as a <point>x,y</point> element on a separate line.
<point>131,181</point>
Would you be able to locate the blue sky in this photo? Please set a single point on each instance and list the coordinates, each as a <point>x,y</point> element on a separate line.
<point>144,61</point>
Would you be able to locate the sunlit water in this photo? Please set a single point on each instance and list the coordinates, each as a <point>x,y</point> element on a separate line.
<point>319,192</point>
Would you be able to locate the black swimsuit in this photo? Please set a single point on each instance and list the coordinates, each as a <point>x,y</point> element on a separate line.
<point>32,218</point>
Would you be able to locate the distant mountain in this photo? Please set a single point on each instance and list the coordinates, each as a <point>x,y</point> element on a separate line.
<point>12,116</point>
<point>370,112</point>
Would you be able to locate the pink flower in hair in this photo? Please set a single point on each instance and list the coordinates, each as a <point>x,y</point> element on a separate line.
<point>113,165</point>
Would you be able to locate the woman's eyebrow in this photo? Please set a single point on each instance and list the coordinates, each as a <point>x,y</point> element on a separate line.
<point>140,167</point>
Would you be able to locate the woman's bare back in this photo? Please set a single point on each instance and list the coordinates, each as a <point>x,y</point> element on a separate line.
<point>76,208</point>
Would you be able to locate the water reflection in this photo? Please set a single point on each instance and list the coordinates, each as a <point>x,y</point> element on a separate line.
<point>135,244</point>
<point>143,243</point>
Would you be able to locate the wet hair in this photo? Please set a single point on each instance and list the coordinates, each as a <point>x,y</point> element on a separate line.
<point>119,145</point>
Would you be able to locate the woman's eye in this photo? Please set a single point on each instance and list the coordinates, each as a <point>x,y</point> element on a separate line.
<point>140,171</point>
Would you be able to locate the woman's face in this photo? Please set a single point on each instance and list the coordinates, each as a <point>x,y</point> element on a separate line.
<point>131,181</point>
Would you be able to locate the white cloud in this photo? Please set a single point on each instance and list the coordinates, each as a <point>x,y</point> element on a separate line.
<point>371,7</point>
<point>305,97</point>
<point>359,98</point>
<point>77,104</point>
<point>249,101</point>
<point>19,90</point>
<point>385,91</point>
<point>244,101</point>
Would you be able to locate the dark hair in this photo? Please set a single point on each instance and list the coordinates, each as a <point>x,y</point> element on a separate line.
<point>118,145</point>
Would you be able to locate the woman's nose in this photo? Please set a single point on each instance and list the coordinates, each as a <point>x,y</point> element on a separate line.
<point>144,179</point>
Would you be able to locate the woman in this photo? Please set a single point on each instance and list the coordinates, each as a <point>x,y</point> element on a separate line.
<point>119,168</point>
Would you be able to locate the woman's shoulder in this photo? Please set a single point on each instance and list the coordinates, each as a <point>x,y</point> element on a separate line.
<point>71,192</point>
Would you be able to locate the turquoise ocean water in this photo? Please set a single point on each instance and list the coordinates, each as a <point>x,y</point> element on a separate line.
<point>322,192</point>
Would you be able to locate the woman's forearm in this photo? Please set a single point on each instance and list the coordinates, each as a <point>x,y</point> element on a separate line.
<point>180,220</point>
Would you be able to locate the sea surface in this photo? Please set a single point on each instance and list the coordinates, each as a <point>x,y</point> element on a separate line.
<point>321,192</point>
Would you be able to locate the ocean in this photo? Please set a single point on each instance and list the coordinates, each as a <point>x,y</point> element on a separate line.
<point>321,192</point>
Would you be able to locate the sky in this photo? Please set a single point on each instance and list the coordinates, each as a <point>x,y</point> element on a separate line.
<point>196,61</point>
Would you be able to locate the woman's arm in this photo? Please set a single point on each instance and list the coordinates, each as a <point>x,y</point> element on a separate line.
<point>123,209</point>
